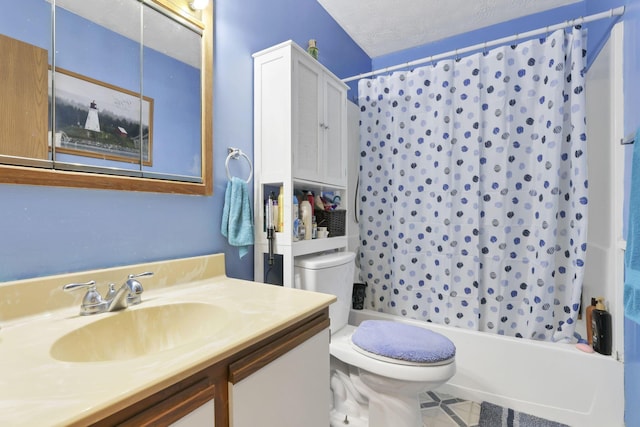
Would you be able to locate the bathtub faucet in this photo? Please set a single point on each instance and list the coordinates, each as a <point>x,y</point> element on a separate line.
<point>116,299</point>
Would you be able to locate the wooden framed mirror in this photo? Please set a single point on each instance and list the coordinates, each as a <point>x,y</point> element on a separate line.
<point>128,107</point>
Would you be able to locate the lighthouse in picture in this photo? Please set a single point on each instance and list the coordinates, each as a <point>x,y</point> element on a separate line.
<point>92,122</point>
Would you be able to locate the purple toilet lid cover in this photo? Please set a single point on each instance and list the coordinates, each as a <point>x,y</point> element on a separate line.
<point>401,341</point>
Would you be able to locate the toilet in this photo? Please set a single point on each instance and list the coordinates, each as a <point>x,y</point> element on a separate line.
<point>378,368</point>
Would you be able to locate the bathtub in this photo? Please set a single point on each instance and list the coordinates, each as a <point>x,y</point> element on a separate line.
<point>553,381</point>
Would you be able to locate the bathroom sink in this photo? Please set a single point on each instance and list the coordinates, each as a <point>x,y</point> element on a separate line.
<point>140,331</point>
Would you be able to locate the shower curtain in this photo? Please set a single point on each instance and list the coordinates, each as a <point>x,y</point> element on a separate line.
<point>473,194</point>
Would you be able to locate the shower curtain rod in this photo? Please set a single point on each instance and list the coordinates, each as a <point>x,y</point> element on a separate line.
<point>618,11</point>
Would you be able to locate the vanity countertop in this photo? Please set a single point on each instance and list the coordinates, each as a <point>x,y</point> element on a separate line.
<point>37,390</point>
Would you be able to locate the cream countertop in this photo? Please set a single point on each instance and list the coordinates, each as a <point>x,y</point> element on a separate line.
<point>37,390</point>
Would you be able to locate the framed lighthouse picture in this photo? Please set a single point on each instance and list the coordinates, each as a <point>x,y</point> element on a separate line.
<point>100,120</point>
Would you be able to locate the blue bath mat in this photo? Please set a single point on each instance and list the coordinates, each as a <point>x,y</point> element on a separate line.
<point>496,416</point>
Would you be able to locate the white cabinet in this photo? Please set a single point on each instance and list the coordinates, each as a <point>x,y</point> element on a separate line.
<point>203,416</point>
<point>291,391</point>
<point>300,111</point>
<point>319,114</point>
<point>300,143</point>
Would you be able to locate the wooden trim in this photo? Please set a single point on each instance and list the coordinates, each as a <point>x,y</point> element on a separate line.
<point>196,388</point>
<point>184,12</point>
<point>175,407</point>
<point>24,107</point>
<point>247,365</point>
<point>208,66</point>
<point>57,178</point>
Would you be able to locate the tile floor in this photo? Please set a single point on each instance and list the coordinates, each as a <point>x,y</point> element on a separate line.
<point>442,410</point>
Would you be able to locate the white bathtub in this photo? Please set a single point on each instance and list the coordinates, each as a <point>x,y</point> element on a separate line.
<point>553,381</point>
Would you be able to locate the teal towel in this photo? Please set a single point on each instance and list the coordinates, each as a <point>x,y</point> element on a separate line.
<point>237,223</point>
<point>632,253</point>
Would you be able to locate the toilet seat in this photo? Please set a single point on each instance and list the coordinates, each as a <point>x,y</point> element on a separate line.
<point>342,348</point>
<point>398,342</point>
<point>400,361</point>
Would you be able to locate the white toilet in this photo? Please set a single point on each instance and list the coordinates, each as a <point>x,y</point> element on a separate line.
<point>377,382</point>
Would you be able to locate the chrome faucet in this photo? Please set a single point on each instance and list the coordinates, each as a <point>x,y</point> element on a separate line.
<point>115,299</point>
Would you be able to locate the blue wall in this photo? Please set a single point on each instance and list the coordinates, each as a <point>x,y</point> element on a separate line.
<point>47,230</point>
<point>631,123</point>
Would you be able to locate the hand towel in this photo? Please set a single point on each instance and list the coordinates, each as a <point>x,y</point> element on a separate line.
<point>632,253</point>
<point>237,223</point>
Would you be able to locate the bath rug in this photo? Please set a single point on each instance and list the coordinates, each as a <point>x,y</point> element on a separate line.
<point>496,416</point>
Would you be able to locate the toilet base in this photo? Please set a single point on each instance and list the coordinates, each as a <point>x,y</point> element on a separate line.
<point>360,406</point>
<point>338,419</point>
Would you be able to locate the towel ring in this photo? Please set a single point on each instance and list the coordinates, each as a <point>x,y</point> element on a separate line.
<point>235,153</point>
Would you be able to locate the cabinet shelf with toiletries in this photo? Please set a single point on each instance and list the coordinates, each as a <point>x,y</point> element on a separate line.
<point>300,143</point>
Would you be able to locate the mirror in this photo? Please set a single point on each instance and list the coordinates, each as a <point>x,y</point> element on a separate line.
<point>129,105</point>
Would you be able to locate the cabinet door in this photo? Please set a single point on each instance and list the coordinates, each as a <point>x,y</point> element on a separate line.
<point>291,391</point>
<point>307,113</point>
<point>335,133</point>
<point>203,416</point>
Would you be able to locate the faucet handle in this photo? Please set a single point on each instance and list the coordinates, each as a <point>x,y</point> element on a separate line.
<point>92,302</point>
<point>135,287</point>
<point>91,284</point>
<point>146,273</point>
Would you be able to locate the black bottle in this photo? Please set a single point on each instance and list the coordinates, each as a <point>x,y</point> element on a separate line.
<point>601,328</point>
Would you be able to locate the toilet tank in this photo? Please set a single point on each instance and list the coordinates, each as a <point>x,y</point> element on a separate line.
<point>330,273</point>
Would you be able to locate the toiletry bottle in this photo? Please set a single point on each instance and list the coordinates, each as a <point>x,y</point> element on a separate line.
<point>314,228</point>
<point>313,49</point>
<point>296,221</point>
<point>265,215</point>
<point>275,211</point>
<point>280,222</point>
<point>268,213</point>
<point>589,316</point>
<point>305,213</point>
<point>601,325</point>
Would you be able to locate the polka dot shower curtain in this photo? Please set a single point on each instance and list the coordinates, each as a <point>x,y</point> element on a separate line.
<point>473,193</point>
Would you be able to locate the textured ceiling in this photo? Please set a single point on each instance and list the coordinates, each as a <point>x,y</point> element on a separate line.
<point>380,27</point>
<point>123,17</point>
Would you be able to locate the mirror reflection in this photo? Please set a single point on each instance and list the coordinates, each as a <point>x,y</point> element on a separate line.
<point>25,41</point>
<point>172,76</point>
<point>125,97</point>
<point>96,85</point>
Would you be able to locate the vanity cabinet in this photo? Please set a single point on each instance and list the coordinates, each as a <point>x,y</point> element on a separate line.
<point>300,143</point>
<point>289,391</point>
<point>280,380</point>
<point>196,401</point>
